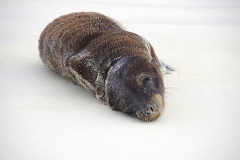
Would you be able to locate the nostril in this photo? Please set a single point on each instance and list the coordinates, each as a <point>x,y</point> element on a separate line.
<point>149,109</point>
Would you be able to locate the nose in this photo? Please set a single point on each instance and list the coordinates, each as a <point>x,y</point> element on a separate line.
<point>149,109</point>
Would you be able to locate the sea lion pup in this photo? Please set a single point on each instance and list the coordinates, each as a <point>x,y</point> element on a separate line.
<point>119,67</point>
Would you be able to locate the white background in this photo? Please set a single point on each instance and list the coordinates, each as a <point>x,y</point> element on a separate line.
<point>45,116</point>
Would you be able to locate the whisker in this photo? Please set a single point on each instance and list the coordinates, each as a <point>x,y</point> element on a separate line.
<point>168,95</point>
<point>170,88</point>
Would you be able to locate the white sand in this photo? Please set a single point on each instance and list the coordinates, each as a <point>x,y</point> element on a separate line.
<point>44,116</point>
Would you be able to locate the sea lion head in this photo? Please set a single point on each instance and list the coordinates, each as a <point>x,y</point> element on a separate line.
<point>135,86</point>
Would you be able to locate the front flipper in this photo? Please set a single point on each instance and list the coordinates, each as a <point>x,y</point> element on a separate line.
<point>166,68</point>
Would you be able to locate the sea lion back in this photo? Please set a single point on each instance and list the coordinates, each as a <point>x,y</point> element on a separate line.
<point>68,34</point>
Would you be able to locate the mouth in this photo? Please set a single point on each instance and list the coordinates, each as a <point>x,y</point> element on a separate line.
<point>149,118</point>
<point>153,110</point>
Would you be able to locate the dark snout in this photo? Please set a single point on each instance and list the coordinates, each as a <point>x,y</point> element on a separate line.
<point>153,110</point>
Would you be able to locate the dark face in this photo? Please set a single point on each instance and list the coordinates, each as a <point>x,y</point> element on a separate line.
<point>135,86</point>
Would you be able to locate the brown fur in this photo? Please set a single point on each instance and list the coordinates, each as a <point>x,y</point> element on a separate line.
<point>87,47</point>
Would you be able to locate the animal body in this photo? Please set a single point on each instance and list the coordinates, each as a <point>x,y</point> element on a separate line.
<point>119,67</point>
